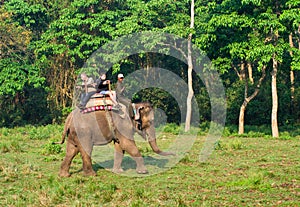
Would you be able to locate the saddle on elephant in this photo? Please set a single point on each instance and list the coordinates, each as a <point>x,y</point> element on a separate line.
<point>98,102</point>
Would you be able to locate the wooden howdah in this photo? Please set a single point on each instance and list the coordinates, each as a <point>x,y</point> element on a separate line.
<point>98,102</point>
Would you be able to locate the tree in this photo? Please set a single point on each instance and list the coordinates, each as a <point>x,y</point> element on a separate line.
<point>248,34</point>
<point>229,30</point>
<point>291,18</point>
<point>270,27</point>
<point>18,72</point>
<point>16,68</point>
<point>69,41</point>
<point>190,69</point>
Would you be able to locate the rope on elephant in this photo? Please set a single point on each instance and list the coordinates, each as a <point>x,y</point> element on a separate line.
<point>110,124</point>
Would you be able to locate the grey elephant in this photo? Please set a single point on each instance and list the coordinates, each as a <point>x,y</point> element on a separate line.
<point>102,127</point>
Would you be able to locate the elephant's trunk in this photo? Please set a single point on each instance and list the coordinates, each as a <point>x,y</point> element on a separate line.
<point>155,148</point>
<point>152,141</point>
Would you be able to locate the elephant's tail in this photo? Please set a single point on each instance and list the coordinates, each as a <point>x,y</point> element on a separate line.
<point>66,128</point>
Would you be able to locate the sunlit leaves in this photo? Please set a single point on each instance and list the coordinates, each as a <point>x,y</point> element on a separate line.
<point>254,2</point>
<point>295,65</point>
<point>13,38</point>
<point>16,71</point>
<point>15,75</point>
<point>32,16</point>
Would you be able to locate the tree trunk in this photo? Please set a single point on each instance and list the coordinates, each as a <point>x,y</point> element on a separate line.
<point>248,99</point>
<point>244,105</point>
<point>61,80</point>
<point>292,76</point>
<point>249,67</point>
<point>190,93</point>
<point>242,117</point>
<point>190,70</point>
<point>274,124</point>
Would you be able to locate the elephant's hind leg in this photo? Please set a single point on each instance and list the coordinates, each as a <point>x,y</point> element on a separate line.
<point>85,149</point>
<point>71,152</point>
<point>87,164</point>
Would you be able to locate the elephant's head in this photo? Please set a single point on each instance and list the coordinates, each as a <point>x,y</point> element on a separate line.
<point>147,129</point>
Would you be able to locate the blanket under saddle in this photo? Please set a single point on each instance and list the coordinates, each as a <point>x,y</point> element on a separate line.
<point>98,102</point>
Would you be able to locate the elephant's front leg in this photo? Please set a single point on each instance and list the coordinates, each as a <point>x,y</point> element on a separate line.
<point>118,158</point>
<point>130,147</point>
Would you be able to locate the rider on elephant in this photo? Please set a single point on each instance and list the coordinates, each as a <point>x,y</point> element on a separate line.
<point>103,87</point>
<point>120,89</point>
<point>88,87</point>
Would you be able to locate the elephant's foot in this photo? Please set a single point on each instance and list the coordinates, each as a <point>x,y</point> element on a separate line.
<point>117,170</point>
<point>89,173</point>
<point>140,167</point>
<point>145,171</point>
<point>64,174</point>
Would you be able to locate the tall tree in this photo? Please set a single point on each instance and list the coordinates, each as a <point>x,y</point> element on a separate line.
<point>270,27</point>
<point>230,32</point>
<point>291,18</point>
<point>190,70</point>
<point>80,30</point>
<point>244,32</point>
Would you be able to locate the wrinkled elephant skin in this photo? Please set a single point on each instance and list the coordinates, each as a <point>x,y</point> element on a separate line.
<point>98,128</point>
<point>102,127</point>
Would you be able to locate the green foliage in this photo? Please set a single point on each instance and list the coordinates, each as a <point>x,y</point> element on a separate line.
<point>172,128</point>
<point>252,131</point>
<point>232,144</point>
<point>42,132</point>
<point>19,74</point>
<point>15,77</point>
<point>285,135</point>
<point>66,111</point>
<point>15,67</point>
<point>33,16</point>
<point>44,40</point>
<point>295,64</point>
<point>51,148</point>
<point>26,107</point>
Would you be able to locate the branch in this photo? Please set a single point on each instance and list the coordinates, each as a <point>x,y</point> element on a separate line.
<point>263,75</point>
<point>236,70</point>
<point>178,49</point>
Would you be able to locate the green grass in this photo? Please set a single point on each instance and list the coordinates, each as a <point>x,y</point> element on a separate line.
<point>242,171</point>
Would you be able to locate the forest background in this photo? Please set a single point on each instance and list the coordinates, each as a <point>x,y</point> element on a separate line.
<point>44,44</point>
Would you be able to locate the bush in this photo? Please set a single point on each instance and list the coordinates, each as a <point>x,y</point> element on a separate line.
<point>285,135</point>
<point>232,144</point>
<point>51,148</point>
<point>172,128</point>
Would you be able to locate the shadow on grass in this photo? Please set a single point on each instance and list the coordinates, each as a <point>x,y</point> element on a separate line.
<point>128,163</point>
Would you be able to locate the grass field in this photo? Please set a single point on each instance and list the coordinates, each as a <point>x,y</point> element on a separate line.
<point>242,171</point>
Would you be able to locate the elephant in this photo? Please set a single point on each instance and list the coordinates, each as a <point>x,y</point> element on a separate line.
<point>85,130</point>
